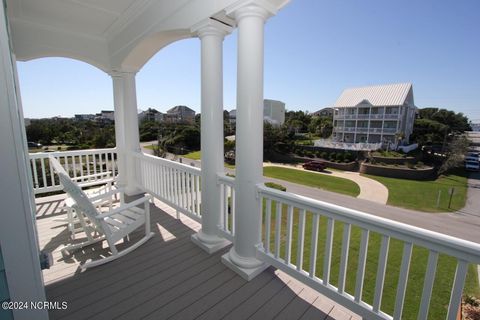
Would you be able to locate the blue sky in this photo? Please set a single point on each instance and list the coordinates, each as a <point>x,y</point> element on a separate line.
<point>313,50</point>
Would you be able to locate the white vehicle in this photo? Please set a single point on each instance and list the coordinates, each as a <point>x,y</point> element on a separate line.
<point>472,156</point>
<point>472,165</point>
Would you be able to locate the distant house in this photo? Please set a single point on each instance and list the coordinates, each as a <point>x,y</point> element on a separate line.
<point>179,114</point>
<point>325,112</point>
<point>150,115</point>
<point>232,116</point>
<point>375,114</point>
<point>79,117</point>
<point>274,111</point>
<point>105,116</point>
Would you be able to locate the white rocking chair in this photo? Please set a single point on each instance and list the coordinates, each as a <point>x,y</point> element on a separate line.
<point>112,226</point>
<point>103,183</point>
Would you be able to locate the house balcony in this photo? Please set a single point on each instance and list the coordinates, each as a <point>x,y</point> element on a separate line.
<point>391,116</point>
<point>389,130</point>
<point>320,254</point>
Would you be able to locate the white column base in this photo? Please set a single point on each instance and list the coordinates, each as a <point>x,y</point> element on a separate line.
<point>247,268</point>
<point>210,244</point>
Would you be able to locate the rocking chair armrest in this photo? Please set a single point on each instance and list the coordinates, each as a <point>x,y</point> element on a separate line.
<point>107,194</point>
<point>125,207</point>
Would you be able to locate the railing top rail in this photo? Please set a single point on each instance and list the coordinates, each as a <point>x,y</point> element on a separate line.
<point>223,178</point>
<point>168,163</point>
<point>38,155</point>
<point>459,248</point>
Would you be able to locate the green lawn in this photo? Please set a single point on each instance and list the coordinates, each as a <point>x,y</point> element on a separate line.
<point>195,155</point>
<point>423,195</point>
<point>151,147</point>
<point>321,181</point>
<point>443,280</point>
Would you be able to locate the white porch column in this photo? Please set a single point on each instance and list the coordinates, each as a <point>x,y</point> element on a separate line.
<point>119,127</point>
<point>211,34</point>
<point>126,128</point>
<point>249,141</point>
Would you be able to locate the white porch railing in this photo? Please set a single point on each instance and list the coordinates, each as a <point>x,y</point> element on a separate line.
<point>287,248</point>
<point>91,165</point>
<point>227,229</point>
<point>360,146</point>
<point>175,184</point>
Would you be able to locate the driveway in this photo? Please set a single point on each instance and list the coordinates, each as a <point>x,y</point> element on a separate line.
<point>370,189</point>
<point>472,205</point>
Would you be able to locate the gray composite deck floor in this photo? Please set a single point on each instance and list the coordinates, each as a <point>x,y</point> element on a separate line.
<point>167,278</point>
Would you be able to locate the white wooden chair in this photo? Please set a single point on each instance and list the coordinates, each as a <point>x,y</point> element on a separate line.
<point>111,226</point>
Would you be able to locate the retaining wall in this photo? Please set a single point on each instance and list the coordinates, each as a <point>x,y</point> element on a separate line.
<point>396,172</point>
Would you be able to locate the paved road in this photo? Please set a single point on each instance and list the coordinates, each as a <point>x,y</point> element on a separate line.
<point>464,224</point>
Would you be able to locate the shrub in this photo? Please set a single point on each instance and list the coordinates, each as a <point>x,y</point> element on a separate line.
<point>310,155</point>
<point>340,157</point>
<point>348,157</point>
<point>300,152</point>
<point>333,156</point>
<point>318,154</point>
<point>275,186</point>
<point>59,148</point>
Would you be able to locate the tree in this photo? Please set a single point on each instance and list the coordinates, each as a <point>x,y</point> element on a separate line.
<point>455,151</point>
<point>297,120</point>
<point>321,126</point>
<point>148,130</point>
<point>457,122</point>
<point>427,131</point>
<point>438,126</point>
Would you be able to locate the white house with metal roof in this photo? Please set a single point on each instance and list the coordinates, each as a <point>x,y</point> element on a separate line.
<point>374,114</point>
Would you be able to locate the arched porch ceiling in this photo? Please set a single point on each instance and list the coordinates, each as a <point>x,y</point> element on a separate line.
<point>109,34</point>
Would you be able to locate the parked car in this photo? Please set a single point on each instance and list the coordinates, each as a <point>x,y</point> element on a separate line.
<point>314,165</point>
<point>472,156</point>
<point>34,144</point>
<point>472,165</point>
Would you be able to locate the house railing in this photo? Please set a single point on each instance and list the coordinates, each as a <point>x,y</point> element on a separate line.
<point>289,247</point>
<point>176,184</point>
<point>227,187</point>
<point>391,115</point>
<point>89,166</point>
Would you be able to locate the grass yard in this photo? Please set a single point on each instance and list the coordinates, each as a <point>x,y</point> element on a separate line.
<point>151,147</point>
<point>321,181</point>
<point>423,195</point>
<point>443,279</point>
<point>195,155</point>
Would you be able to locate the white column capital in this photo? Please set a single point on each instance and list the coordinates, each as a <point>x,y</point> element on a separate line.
<point>211,27</point>
<point>122,73</point>
<point>252,8</point>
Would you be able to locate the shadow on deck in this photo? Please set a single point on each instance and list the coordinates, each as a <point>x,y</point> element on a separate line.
<point>167,278</point>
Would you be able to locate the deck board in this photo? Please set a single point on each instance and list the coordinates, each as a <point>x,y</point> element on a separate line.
<point>168,277</point>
